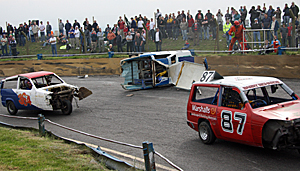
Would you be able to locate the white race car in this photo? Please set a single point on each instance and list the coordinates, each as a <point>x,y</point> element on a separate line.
<point>39,91</point>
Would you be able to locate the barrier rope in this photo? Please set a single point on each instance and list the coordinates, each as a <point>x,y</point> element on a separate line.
<point>94,136</point>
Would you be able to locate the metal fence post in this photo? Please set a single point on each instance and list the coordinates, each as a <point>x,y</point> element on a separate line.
<point>41,124</point>
<point>149,156</point>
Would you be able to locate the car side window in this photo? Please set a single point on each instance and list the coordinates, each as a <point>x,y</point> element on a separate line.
<point>25,84</point>
<point>10,84</point>
<point>231,98</point>
<point>208,95</point>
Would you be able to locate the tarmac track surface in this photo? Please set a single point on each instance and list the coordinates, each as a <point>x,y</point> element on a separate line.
<point>158,116</point>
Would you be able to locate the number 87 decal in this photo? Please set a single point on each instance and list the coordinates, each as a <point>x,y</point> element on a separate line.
<point>226,121</point>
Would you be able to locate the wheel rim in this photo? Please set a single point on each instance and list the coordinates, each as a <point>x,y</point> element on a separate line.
<point>203,133</point>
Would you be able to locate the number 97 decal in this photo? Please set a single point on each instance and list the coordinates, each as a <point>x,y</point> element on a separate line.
<point>226,121</point>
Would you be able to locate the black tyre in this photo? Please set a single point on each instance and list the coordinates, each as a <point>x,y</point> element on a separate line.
<point>206,134</point>
<point>11,108</point>
<point>66,107</point>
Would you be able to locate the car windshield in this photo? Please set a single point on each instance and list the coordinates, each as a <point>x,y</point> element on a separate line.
<point>46,80</point>
<point>269,95</point>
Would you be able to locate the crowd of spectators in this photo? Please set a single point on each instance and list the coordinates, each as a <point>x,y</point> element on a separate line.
<point>132,33</point>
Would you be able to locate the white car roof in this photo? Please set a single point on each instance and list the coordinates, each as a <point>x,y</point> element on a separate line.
<point>246,82</point>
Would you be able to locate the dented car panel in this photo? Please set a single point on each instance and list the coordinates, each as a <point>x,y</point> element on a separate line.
<point>257,111</point>
<point>39,91</point>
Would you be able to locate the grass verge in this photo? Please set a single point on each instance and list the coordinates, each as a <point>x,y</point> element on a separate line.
<point>26,150</point>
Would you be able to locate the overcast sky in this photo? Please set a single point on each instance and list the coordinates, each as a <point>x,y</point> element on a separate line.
<point>108,12</point>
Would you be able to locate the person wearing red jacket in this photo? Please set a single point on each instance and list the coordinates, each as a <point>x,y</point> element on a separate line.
<point>236,31</point>
<point>190,24</point>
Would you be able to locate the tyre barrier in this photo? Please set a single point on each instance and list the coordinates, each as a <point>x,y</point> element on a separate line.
<point>110,161</point>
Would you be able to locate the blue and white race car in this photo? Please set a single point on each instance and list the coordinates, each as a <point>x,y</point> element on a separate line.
<point>39,91</point>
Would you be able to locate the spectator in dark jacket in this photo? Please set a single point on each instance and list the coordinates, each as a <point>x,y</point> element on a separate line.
<point>295,9</point>
<point>119,42</point>
<point>286,16</point>
<point>266,24</point>
<point>256,34</point>
<point>68,28</point>
<point>94,41</point>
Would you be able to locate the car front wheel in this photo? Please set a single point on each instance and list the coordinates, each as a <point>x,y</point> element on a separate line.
<point>66,107</point>
<point>11,108</point>
<point>206,134</point>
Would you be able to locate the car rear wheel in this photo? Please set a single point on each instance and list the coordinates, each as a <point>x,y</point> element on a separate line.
<point>11,108</point>
<point>206,134</point>
<point>66,107</point>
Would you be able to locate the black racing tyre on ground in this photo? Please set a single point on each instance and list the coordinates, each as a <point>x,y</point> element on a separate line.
<point>66,107</point>
<point>11,108</point>
<point>206,134</point>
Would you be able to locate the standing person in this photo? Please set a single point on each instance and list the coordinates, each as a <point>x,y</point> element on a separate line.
<point>157,39</point>
<point>283,34</point>
<point>42,32</point>
<point>22,37</point>
<point>138,42</point>
<point>100,36</point>
<point>119,41</point>
<point>286,15</point>
<point>152,27</point>
<point>95,25</point>
<point>76,24</point>
<point>13,45</point>
<point>295,9</point>
<point>236,32</point>
<point>121,25</point>
<point>4,45</point>
<point>190,24</point>
<point>208,14</point>
<point>244,16</point>
<point>266,24</point>
<point>175,25</point>
<point>205,28</point>
<point>48,28</point>
<point>52,41</point>
<point>253,14</point>
<point>183,28</point>
<point>196,29</point>
<point>61,27</point>
<point>77,35</point>
<point>226,28</point>
<point>278,15</point>
<point>140,24</point>
<point>68,28</point>
<point>213,26</point>
<point>87,36</point>
<point>94,41</point>
<point>107,29</point>
<point>31,33</point>
<point>129,41</point>
<point>271,11</point>
<point>35,31</point>
<point>289,36</point>
<point>228,15</point>
<point>111,36</point>
<point>133,39</point>
<point>72,37</point>
<point>133,23</point>
<point>161,25</point>
<point>219,16</point>
<point>256,34</point>
<point>143,35</point>
<point>274,27</point>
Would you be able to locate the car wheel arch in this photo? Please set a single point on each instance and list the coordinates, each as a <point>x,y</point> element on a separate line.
<point>268,132</point>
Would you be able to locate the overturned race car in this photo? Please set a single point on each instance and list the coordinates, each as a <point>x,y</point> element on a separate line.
<point>41,90</point>
<point>252,110</point>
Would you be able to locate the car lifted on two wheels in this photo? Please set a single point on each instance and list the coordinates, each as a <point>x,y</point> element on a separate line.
<point>252,110</point>
<point>41,90</point>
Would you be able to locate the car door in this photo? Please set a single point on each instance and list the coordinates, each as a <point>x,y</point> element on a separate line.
<point>25,94</point>
<point>8,88</point>
<point>234,120</point>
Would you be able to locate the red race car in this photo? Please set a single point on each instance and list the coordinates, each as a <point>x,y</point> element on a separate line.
<point>252,110</point>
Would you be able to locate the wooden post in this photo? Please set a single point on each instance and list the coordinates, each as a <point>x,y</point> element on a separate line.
<point>41,120</point>
<point>84,43</point>
<point>293,25</point>
<point>93,19</point>
<point>217,37</point>
<point>26,38</point>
